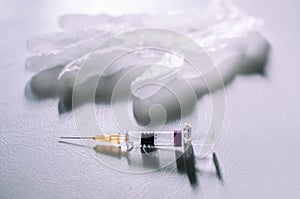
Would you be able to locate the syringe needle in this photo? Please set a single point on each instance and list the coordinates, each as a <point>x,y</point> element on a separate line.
<point>77,137</point>
<point>113,138</point>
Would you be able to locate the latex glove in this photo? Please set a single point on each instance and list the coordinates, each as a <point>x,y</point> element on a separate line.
<point>228,36</point>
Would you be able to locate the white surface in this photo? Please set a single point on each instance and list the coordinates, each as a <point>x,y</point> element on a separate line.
<point>259,147</point>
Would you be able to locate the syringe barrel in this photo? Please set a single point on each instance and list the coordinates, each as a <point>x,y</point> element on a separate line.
<point>156,138</point>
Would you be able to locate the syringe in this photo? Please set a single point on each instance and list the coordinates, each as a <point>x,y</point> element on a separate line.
<point>145,138</point>
<point>140,150</point>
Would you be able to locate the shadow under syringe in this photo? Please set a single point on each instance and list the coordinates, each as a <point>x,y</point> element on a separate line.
<point>153,159</point>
